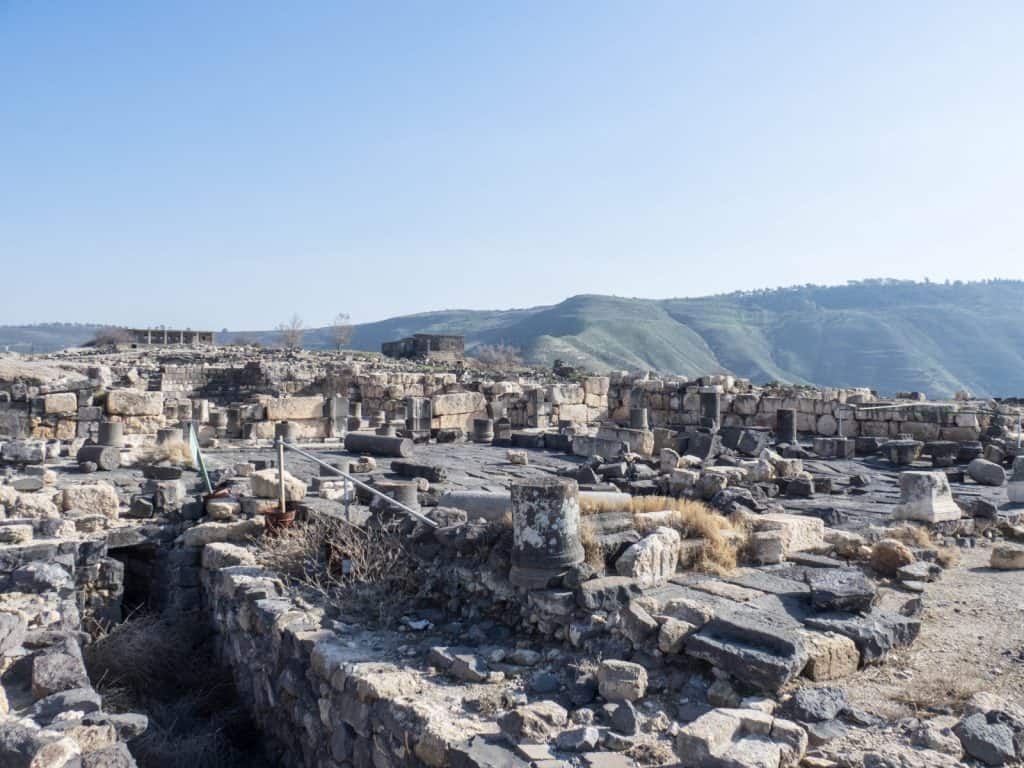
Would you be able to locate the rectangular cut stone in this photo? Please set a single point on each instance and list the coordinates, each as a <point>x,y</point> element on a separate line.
<point>801,532</point>
<point>61,402</point>
<point>458,403</point>
<point>295,408</point>
<point>925,497</point>
<point>132,402</point>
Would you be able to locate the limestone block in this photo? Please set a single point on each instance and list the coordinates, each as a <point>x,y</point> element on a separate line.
<point>800,532</point>
<point>921,430</point>
<point>458,403</point>
<point>60,403</point>
<point>207,533</point>
<point>99,498</point>
<point>621,680</point>
<point>768,547</point>
<point>831,656</point>
<point>295,408</point>
<point>1007,557</point>
<point>570,394</point>
<point>576,413</point>
<point>985,472</point>
<point>926,497</point>
<point>222,554</point>
<point>265,485</point>
<point>826,425</point>
<point>741,737</point>
<point>132,402</point>
<point>596,385</point>
<point>653,559</point>
<point>35,505</point>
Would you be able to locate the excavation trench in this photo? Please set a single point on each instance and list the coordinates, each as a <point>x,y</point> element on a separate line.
<point>160,660</point>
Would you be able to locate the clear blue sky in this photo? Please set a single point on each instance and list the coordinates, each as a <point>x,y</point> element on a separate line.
<point>226,163</point>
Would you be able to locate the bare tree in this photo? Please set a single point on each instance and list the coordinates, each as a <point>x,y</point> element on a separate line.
<point>291,332</point>
<point>498,357</point>
<point>341,330</point>
<point>110,337</point>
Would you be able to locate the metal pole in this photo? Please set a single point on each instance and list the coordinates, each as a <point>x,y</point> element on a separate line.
<point>280,474</point>
<point>282,445</point>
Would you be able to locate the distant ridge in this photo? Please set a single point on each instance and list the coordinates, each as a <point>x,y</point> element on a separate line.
<point>884,334</point>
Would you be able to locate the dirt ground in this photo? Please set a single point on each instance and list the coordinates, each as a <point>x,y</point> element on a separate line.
<point>972,639</point>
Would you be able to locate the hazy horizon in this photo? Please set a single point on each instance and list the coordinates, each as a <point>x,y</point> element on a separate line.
<point>229,165</point>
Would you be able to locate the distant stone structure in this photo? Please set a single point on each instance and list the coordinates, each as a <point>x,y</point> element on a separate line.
<point>167,336</point>
<point>427,346</point>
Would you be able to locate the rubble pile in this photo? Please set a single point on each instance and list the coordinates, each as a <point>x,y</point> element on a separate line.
<point>586,571</point>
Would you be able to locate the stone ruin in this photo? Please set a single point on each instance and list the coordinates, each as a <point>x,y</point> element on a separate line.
<point>587,571</point>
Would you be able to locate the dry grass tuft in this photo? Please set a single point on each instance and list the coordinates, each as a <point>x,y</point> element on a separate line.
<point>175,451</point>
<point>594,553</point>
<point>694,519</point>
<point>922,694</point>
<point>362,568</point>
<point>919,536</point>
<point>913,535</point>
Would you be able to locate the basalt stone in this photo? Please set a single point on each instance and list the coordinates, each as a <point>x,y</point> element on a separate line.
<point>841,589</point>
<point>875,635</point>
<point>815,705</point>
<point>759,647</point>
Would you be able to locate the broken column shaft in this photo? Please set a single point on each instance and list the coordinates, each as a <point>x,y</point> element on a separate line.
<point>546,530</point>
<point>378,445</point>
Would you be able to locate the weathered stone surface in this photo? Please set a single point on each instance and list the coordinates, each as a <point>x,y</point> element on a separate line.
<point>799,532</point>
<point>830,656</point>
<point>763,649</point>
<point>926,497</point>
<point>841,589</point>
<point>209,533</point>
<point>534,722</point>
<point>12,631</point>
<point>289,408</point>
<point>132,402</point>
<point>816,705</point>
<point>986,739</point>
<point>222,554</point>
<point>99,498</point>
<point>875,635</point>
<point>672,635</point>
<point>1007,557</point>
<point>985,472</point>
<point>265,485</point>
<point>607,593</point>
<point>458,403</point>
<point>740,738</point>
<point>54,671</point>
<point>621,680</point>
<point>60,403</point>
<point>653,559</point>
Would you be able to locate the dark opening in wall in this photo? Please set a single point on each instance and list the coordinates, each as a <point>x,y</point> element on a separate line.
<point>139,571</point>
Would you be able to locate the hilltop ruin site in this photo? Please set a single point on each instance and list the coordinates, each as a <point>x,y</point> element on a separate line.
<point>459,567</point>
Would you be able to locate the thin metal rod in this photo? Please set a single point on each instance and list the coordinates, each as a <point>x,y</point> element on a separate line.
<point>282,445</point>
<point>280,474</point>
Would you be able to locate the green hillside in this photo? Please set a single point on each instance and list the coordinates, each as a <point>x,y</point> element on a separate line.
<point>887,335</point>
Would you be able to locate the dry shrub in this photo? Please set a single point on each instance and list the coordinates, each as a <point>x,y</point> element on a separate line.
<point>919,536</point>
<point>176,452</point>
<point>593,551</point>
<point>694,519</point>
<point>166,669</point>
<point>926,690</point>
<point>367,568</point>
